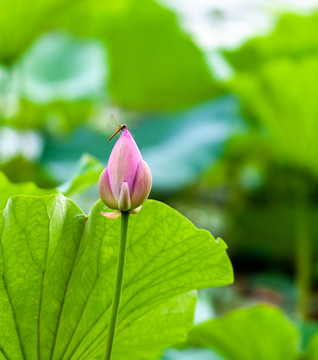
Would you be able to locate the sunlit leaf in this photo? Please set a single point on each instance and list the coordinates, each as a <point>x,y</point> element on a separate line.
<point>58,270</point>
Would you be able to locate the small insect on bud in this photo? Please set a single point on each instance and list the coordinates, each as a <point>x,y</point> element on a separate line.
<point>126,182</point>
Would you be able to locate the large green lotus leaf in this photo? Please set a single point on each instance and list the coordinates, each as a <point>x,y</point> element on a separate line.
<point>58,269</point>
<point>295,36</point>
<point>276,78</point>
<point>275,96</point>
<point>60,77</point>
<point>61,67</point>
<point>153,64</point>
<point>21,22</point>
<point>261,332</point>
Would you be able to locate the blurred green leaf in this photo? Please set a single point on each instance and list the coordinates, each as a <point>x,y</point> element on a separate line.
<point>261,332</point>
<point>191,354</point>
<point>195,139</point>
<point>56,83</point>
<point>312,353</point>
<point>153,63</point>
<point>57,118</point>
<point>250,241</point>
<point>309,335</point>
<point>294,37</point>
<point>19,169</point>
<point>165,139</point>
<point>22,21</point>
<point>281,96</point>
<point>57,279</point>
<point>61,67</point>
<point>276,78</point>
<point>60,155</point>
<point>86,175</point>
<point>8,189</point>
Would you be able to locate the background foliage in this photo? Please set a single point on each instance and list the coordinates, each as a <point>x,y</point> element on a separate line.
<point>221,99</point>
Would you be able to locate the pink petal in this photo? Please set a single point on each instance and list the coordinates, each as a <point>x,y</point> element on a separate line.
<point>105,190</point>
<point>112,215</point>
<point>123,162</point>
<point>124,198</point>
<point>142,185</point>
<point>136,210</point>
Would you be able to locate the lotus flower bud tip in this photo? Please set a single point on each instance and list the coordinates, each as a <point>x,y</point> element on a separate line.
<point>126,182</point>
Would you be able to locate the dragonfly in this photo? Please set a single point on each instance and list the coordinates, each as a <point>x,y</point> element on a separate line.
<point>120,128</point>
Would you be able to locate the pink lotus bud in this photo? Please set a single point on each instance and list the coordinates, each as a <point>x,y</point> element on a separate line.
<point>126,182</point>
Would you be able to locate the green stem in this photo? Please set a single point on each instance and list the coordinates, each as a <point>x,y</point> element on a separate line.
<point>303,262</point>
<point>118,285</point>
